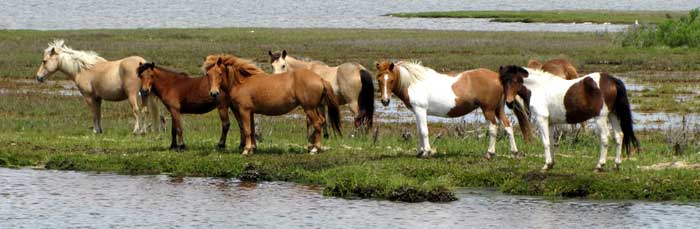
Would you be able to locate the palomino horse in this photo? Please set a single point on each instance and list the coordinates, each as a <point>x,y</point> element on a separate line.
<point>427,92</point>
<point>351,82</point>
<point>99,79</point>
<point>558,67</point>
<point>183,95</point>
<point>253,91</point>
<point>555,100</point>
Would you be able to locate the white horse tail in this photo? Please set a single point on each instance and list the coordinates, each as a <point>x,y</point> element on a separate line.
<point>365,100</point>
<point>624,113</point>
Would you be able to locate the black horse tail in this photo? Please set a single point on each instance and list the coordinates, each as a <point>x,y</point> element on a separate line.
<point>623,112</point>
<point>365,100</point>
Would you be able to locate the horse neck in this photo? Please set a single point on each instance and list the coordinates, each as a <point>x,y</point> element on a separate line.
<point>71,67</point>
<point>294,63</point>
<point>163,80</point>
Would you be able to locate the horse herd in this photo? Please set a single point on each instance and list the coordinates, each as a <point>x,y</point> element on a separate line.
<point>549,93</point>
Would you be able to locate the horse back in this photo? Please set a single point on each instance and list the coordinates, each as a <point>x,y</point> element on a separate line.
<point>477,88</point>
<point>583,100</point>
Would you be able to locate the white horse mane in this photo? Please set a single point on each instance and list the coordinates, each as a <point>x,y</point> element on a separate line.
<point>71,60</point>
<point>416,72</point>
<point>539,72</point>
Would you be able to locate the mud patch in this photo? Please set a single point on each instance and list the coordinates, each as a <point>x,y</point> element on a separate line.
<point>251,173</point>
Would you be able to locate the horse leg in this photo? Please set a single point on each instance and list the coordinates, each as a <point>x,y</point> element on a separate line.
<point>177,130</point>
<point>136,110</point>
<point>602,123</point>
<point>543,123</point>
<point>317,123</point>
<point>152,108</point>
<point>322,110</point>
<point>254,138</point>
<point>246,127</point>
<point>493,131</point>
<point>225,124</point>
<point>422,127</point>
<point>95,108</point>
<point>241,135</point>
<point>617,135</point>
<point>511,135</point>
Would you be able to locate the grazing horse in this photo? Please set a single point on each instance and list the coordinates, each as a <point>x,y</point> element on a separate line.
<point>554,100</point>
<point>183,95</point>
<point>427,92</point>
<point>558,67</point>
<point>351,82</point>
<point>253,91</point>
<point>99,79</point>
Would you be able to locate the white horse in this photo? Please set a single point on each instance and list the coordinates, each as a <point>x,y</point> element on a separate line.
<point>427,92</point>
<point>553,100</point>
<point>99,79</point>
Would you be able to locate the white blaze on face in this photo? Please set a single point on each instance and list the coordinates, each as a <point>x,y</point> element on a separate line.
<point>386,79</point>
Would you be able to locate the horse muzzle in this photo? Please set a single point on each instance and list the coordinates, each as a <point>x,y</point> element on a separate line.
<point>385,102</point>
<point>214,94</point>
<point>144,92</point>
<point>41,79</point>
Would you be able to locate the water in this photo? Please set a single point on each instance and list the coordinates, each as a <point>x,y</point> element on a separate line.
<point>60,199</point>
<point>75,14</point>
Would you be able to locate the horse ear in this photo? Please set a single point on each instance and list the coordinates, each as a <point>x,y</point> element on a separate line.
<point>284,54</point>
<point>523,72</point>
<point>391,67</point>
<point>269,52</point>
<point>153,65</point>
<point>377,65</point>
<point>219,61</point>
<point>55,50</point>
<point>140,63</point>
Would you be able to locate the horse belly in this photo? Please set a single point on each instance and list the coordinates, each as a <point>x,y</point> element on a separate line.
<point>198,108</point>
<point>441,99</point>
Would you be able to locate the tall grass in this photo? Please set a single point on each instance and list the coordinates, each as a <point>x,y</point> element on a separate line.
<point>681,32</point>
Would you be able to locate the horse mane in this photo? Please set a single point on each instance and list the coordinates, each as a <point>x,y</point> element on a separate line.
<point>416,72</point>
<point>244,66</point>
<point>74,60</point>
<point>538,71</point>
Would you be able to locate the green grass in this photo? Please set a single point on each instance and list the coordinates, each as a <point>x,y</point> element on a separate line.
<point>53,132</point>
<point>681,31</point>
<point>554,16</point>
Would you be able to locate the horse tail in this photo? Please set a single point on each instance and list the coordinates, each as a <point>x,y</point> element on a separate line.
<point>328,97</point>
<point>622,110</point>
<point>365,100</point>
<point>532,63</point>
<point>520,109</point>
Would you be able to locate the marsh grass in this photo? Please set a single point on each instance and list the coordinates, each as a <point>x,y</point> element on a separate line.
<point>678,31</point>
<point>52,131</point>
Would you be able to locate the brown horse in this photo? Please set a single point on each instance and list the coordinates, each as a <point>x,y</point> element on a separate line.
<point>558,67</point>
<point>182,94</point>
<point>253,91</point>
<point>427,92</point>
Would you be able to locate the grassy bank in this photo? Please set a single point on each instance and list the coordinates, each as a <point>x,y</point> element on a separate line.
<point>554,16</point>
<point>48,130</point>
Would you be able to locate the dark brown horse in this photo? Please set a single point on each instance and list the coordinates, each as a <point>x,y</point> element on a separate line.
<point>182,94</point>
<point>253,91</point>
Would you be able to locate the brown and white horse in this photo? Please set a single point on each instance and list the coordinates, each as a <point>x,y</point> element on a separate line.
<point>351,82</point>
<point>99,79</point>
<point>182,94</point>
<point>554,100</point>
<point>253,91</point>
<point>558,67</point>
<point>427,92</point>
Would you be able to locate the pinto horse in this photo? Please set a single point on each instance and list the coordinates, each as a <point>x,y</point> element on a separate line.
<point>427,92</point>
<point>99,79</point>
<point>554,100</point>
<point>351,82</point>
<point>558,67</point>
<point>253,91</point>
<point>182,94</point>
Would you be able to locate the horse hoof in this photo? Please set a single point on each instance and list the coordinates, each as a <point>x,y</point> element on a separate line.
<point>220,146</point>
<point>326,136</point>
<point>489,156</point>
<point>599,170</point>
<point>247,152</point>
<point>547,167</point>
<point>313,151</point>
<point>516,155</point>
<point>617,167</point>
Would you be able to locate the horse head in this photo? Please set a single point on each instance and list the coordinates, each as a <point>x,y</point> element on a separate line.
<point>278,61</point>
<point>512,78</point>
<point>146,73</point>
<point>50,62</point>
<point>388,78</point>
<point>216,73</point>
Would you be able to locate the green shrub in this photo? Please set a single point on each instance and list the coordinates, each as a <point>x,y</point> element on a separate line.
<point>683,32</point>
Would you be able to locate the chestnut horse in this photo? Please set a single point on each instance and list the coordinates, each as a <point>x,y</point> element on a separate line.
<point>558,67</point>
<point>427,92</point>
<point>253,91</point>
<point>351,82</point>
<point>554,100</point>
<point>183,95</point>
<point>99,79</point>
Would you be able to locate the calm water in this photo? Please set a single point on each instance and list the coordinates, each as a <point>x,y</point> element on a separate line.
<point>59,199</point>
<point>76,14</point>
